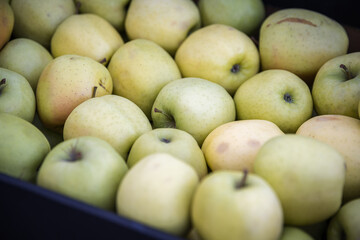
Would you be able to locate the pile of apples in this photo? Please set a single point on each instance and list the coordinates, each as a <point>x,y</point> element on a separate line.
<point>204,119</point>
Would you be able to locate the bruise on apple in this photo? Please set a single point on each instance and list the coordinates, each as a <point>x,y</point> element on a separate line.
<point>222,147</point>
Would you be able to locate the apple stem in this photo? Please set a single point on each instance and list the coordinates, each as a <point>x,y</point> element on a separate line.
<point>2,84</point>
<point>103,60</point>
<point>347,71</point>
<point>74,155</point>
<point>171,119</point>
<point>242,182</point>
<point>94,91</point>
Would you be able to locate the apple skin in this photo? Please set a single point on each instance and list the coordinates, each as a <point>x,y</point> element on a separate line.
<point>86,168</point>
<point>300,41</point>
<point>16,95</point>
<point>194,105</point>
<point>23,147</point>
<point>233,145</point>
<point>174,141</point>
<point>223,210</point>
<point>228,64</point>
<point>307,175</point>
<point>275,95</point>
<point>342,133</point>
<point>345,224</point>
<point>294,233</point>
<point>337,76</point>
<point>158,192</point>
<point>7,23</point>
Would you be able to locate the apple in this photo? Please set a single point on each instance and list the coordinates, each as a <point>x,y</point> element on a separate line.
<point>229,64</point>
<point>194,105</point>
<point>86,168</point>
<point>7,23</point>
<point>158,192</point>
<point>16,95</point>
<point>23,147</point>
<point>232,204</point>
<point>139,69</point>
<point>294,233</point>
<point>66,82</point>
<point>26,57</point>
<point>300,41</point>
<point>336,77</point>
<point>234,145</point>
<point>245,15</point>
<point>342,133</point>
<point>112,118</point>
<point>275,95</point>
<point>173,141</point>
<point>307,175</point>
<point>167,23</point>
<point>345,224</point>
<point>86,35</point>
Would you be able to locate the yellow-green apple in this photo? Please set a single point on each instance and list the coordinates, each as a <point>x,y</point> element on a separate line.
<point>173,141</point>
<point>86,35</point>
<point>345,224</point>
<point>336,88</point>
<point>54,138</point>
<point>342,133</point>
<point>229,64</point>
<point>113,11</point>
<point>66,82</point>
<point>26,57</point>
<point>165,22</point>
<point>234,145</point>
<point>245,15</point>
<point>300,41</point>
<point>86,168</point>
<point>275,95</point>
<point>194,105</point>
<point>158,192</point>
<point>38,19</point>
<point>139,69</point>
<point>294,233</point>
<point>23,147</point>
<point>307,175</point>
<point>112,118</point>
<point>16,95</point>
<point>7,23</point>
<point>232,204</point>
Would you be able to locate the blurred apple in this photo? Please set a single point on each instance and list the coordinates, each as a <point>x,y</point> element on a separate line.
<point>158,192</point>
<point>307,175</point>
<point>294,233</point>
<point>23,147</point>
<point>234,145</point>
<point>300,41</point>
<point>7,23</point>
<point>85,168</point>
<point>194,105</point>
<point>16,95</point>
<point>275,95</point>
<point>228,64</point>
<point>236,205</point>
<point>336,88</point>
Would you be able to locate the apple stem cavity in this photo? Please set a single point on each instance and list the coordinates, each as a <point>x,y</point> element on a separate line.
<point>164,140</point>
<point>103,60</point>
<point>74,155</point>
<point>347,72</point>
<point>242,182</point>
<point>2,84</point>
<point>171,120</point>
<point>288,98</point>
<point>94,92</point>
<point>235,68</point>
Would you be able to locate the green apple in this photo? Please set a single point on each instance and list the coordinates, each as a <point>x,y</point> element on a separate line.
<point>38,19</point>
<point>113,11</point>
<point>342,133</point>
<point>345,224</point>
<point>245,15</point>
<point>23,147</point>
<point>173,141</point>
<point>194,105</point>
<point>66,82</point>
<point>294,233</point>
<point>307,175</point>
<point>337,76</point>
<point>16,95</point>
<point>86,35</point>
<point>86,168</point>
<point>236,205</point>
<point>158,192</point>
<point>229,64</point>
<point>7,23</point>
<point>234,145</point>
<point>112,118</point>
<point>26,57</point>
<point>139,69</point>
<point>300,41</point>
<point>275,95</point>
<point>168,23</point>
